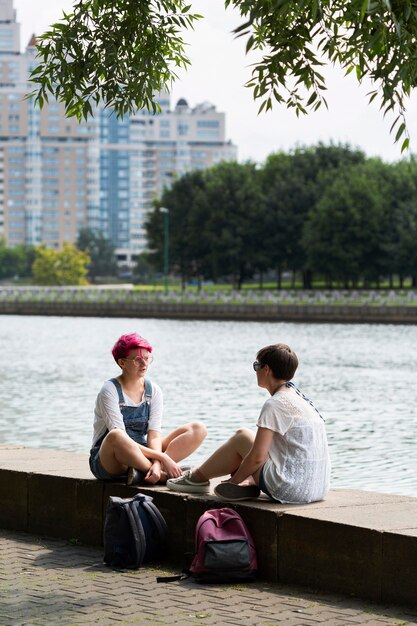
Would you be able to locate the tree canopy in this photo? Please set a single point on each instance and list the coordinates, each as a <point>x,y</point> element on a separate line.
<point>82,66</point>
<point>16,262</point>
<point>60,267</point>
<point>321,211</point>
<point>101,251</point>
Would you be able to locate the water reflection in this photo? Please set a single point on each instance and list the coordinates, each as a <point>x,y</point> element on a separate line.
<point>362,378</point>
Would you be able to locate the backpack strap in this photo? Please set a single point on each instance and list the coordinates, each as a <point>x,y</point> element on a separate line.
<point>137,530</point>
<point>172,579</point>
<point>157,518</point>
<point>185,573</point>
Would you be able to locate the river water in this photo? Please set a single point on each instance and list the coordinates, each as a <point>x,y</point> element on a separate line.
<point>361,377</point>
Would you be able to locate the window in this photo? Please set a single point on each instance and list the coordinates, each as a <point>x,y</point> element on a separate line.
<point>207,124</point>
<point>208,134</point>
<point>182,128</point>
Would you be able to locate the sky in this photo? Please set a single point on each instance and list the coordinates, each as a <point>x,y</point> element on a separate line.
<point>218,73</point>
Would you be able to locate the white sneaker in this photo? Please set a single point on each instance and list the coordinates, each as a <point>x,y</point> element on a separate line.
<point>186,485</point>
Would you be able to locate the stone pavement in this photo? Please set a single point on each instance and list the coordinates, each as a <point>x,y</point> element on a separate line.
<point>50,581</point>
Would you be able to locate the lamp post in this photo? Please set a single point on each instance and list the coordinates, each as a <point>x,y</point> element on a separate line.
<point>165,211</point>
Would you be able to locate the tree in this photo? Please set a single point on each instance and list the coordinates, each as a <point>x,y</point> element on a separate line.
<point>188,209</point>
<point>215,218</point>
<point>124,70</point>
<point>401,224</point>
<point>406,250</point>
<point>16,261</point>
<point>143,272</point>
<point>344,237</point>
<point>81,65</point>
<point>60,267</point>
<point>234,225</point>
<point>292,185</point>
<point>101,250</point>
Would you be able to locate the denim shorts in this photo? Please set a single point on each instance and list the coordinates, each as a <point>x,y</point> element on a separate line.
<point>263,487</point>
<point>98,470</point>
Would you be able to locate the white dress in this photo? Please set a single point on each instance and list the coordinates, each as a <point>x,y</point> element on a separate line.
<point>298,466</point>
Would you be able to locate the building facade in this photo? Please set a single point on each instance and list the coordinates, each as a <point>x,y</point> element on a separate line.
<point>58,175</point>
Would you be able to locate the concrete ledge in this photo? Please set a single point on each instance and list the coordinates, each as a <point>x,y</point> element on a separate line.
<point>333,313</point>
<point>354,542</point>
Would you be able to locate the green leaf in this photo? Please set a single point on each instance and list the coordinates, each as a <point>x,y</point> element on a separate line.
<point>365,5</point>
<point>405,144</point>
<point>394,123</point>
<point>261,108</point>
<point>312,98</point>
<point>250,43</point>
<point>400,131</point>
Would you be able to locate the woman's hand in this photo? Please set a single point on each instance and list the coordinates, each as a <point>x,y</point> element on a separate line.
<point>172,469</point>
<point>154,473</point>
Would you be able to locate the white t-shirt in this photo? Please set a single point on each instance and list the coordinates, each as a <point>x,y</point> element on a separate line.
<point>107,413</point>
<point>298,465</point>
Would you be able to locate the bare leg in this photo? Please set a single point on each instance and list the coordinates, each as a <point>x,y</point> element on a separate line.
<point>184,440</point>
<point>226,459</point>
<point>118,452</point>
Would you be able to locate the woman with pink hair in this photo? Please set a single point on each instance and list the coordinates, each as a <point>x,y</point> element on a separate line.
<point>127,441</point>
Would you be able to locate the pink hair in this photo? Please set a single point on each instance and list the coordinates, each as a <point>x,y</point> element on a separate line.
<point>126,343</point>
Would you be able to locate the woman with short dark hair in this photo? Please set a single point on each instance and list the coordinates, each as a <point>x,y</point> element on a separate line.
<point>288,456</point>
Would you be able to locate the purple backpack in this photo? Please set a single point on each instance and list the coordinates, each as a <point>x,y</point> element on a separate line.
<point>225,551</point>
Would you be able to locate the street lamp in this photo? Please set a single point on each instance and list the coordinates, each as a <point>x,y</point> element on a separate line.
<point>165,211</point>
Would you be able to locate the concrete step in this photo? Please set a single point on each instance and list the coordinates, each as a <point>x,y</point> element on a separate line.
<point>354,542</point>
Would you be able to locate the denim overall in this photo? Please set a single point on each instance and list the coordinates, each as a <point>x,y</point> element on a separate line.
<point>135,419</point>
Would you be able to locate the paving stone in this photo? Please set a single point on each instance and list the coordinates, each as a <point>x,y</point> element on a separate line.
<point>46,581</point>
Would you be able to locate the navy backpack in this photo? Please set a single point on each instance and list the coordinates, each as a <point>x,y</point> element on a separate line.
<point>135,532</point>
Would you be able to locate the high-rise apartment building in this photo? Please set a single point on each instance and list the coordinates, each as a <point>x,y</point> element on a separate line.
<point>58,175</point>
